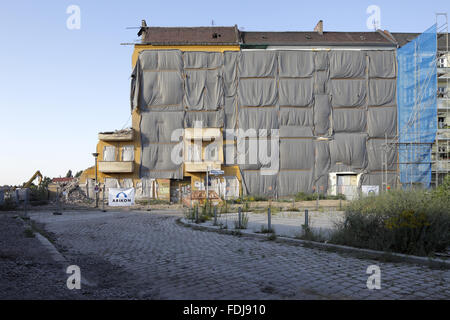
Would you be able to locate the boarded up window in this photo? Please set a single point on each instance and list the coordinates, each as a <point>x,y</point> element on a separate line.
<point>111,183</point>
<point>128,153</point>
<point>231,188</point>
<point>109,153</point>
<point>127,183</point>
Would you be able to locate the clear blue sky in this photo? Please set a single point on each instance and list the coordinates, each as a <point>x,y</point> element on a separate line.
<point>60,87</point>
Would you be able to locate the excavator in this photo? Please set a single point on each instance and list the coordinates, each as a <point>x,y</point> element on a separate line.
<point>36,175</point>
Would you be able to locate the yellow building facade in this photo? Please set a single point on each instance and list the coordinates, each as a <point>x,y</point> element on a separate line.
<point>113,170</point>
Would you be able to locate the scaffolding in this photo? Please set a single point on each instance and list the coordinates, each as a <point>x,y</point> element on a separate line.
<point>441,148</point>
<point>417,112</point>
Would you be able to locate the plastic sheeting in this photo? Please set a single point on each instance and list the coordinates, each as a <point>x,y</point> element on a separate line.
<point>417,107</point>
<point>157,162</point>
<point>349,150</point>
<point>345,97</point>
<point>347,64</point>
<point>348,93</point>
<point>382,122</point>
<point>376,151</point>
<point>297,154</point>
<point>348,120</point>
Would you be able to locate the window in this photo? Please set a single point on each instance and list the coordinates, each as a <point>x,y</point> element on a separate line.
<point>109,153</point>
<point>128,153</point>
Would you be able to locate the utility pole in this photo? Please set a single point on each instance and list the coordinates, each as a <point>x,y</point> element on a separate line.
<point>96,181</point>
<point>207,184</point>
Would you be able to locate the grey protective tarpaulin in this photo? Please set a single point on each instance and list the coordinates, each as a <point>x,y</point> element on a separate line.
<point>333,110</point>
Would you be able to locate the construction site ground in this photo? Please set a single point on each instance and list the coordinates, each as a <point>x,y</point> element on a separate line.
<point>131,254</point>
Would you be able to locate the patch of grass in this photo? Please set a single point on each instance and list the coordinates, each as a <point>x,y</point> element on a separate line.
<point>29,233</point>
<point>301,196</point>
<point>8,205</point>
<point>272,237</point>
<point>413,222</point>
<point>310,235</point>
<point>267,230</point>
<point>243,223</point>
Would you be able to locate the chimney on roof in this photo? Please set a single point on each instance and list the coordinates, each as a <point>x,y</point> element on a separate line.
<point>319,27</point>
<point>143,30</point>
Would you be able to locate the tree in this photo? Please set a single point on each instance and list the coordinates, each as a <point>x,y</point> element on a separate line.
<point>78,174</point>
<point>69,174</point>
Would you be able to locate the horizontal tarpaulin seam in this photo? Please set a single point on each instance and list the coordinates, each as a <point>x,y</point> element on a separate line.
<point>163,70</point>
<point>303,138</point>
<point>251,107</point>
<point>244,78</point>
<point>298,107</point>
<point>347,78</point>
<point>218,110</point>
<point>387,106</point>
<point>203,69</point>
<point>287,78</point>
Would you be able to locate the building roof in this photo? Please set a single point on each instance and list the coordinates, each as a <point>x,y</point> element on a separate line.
<point>293,38</point>
<point>190,35</point>
<point>233,36</point>
<point>405,37</point>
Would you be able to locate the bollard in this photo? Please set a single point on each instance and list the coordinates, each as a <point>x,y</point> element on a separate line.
<point>269,220</point>
<point>25,205</point>
<point>58,210</point>
<point>306,218</point>
<point>239,217</point>
<point>196,214</point>
<point>103,199</point>
<point>215,215</point>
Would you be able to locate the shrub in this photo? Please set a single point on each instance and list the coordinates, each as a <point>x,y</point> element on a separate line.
<point>411,222</point>
<point>301,196</point>
<point>8,204</point>
<point>243,223</point>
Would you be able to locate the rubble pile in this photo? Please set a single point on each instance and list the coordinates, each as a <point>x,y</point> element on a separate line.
<point>72,193</point>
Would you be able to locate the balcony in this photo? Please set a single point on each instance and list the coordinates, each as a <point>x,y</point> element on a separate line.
<point>202,166</point>
<point>443,134</point>
<point>443,103</point>
<point>443,72</point>
<point>205,134</point>
<point>122,135</point>
<point>441,166</point>
<point>116,166</point>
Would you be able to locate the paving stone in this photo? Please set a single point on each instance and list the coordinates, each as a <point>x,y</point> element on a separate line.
<point>169,261</point>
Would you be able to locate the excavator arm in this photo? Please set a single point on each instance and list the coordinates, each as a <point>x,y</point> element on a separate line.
<point>29,182</point>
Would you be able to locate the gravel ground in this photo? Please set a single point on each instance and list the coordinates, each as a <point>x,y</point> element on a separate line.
<point>27,270</point>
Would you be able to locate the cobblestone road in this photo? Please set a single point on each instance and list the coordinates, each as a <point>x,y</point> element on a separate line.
<point>161,259</point>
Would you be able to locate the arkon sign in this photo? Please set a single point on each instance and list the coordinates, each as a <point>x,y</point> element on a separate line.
<point>118,197</point>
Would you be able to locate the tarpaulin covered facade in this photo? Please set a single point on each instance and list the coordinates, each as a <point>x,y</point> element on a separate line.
<point>331,110</point>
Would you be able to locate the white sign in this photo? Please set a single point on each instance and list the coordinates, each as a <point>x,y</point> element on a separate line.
<point>118,197</point>
<point>370,190</point>
<point>216,172</point>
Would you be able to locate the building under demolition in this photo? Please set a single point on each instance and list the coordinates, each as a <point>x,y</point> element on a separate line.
<point>268,114</point>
